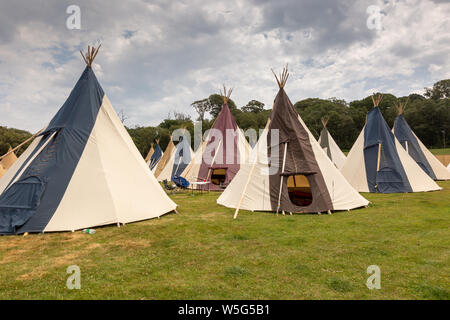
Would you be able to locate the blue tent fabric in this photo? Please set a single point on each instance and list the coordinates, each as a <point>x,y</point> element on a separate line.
<point>391,176</point>
<point>29,203</point>
<point>182,157</point>
<point>405,136</point>
<point>156,156</point>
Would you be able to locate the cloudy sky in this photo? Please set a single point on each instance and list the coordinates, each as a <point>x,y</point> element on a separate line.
<point>158,56</point>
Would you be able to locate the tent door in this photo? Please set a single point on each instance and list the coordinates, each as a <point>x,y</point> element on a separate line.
<point>299,190</point>
<point>218,176</point>
<point>19,203</point>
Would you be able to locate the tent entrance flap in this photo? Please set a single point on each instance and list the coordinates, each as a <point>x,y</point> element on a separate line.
<point>218,176</point>
<point>19,203</point>
<point>299,190</point>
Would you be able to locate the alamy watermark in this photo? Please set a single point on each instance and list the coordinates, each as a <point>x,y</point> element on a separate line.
<point>74,280</point>
<point>373,21</point>
<point>73,22</point>
<point>374,281</point>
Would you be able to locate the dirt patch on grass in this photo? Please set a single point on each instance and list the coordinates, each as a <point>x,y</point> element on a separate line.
<point>57,262</point>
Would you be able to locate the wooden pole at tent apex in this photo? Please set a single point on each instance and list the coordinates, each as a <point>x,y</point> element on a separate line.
<point>324,121</point>
<point>226,94</point>
<point>376,99</point>
<point>401,106</point>
<point>90,55</point>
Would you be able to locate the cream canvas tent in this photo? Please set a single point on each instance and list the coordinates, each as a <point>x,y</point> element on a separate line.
<point>221,154</point>
<point>330,147</point>
<point>155,157</point>
<point>9,159</point>
<point>83,170</point>
<point>179,160</point>
<point>164,159</point>
<point>2,171</point>
<point>378,163</point>
<point>288,171</point>
<point>416,149</point>
<point>150,153</point>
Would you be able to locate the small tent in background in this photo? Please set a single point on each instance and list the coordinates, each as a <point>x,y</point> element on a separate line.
<point>83,170</point>
<point>165,158</point>
<point>330,147</point>
<point>9,159</point>
<point>150,153</point>
<point>156,157</point>
<point>289,174</point>
<point>378,163</point>
<point>221,154</point>
<point>448,167</point>
<point>179,160</point>
<point>416,149</point>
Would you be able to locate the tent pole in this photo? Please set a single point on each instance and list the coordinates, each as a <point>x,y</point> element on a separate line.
<point>249,176</point>
<point>17,147</point>
<point>281,181</point>
<point>379,155</point>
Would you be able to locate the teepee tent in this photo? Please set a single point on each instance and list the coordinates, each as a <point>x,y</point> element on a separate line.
<point>83,170</point>
<point>288,170</point>
<point>221,154</point>
<point>378,163</point>
<point>9,159</point>
<point>156,157</point>
<point>179,160</point>
<point>165,158</point>
<point>416,149</point>
<point>150,153</point>
<point>330,147</point>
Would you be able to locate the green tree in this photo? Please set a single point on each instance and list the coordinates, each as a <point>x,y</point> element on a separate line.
<point>440,90</point>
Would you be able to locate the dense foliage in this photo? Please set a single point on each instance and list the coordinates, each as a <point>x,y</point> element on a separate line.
<point>428,115</point>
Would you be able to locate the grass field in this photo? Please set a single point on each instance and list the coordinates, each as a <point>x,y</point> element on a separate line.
<point>201,253</point>
<point>440,151</point>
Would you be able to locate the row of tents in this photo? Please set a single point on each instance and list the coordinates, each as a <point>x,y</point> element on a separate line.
<point>83,169</point>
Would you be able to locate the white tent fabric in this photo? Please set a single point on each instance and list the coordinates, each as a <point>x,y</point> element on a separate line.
<point>437,166</point>
<point>333,151</point>
<point>166,173</point>
<point>250,188</point>
<point>83,170</point>
<point>354,168</point>
<point>123,183</point>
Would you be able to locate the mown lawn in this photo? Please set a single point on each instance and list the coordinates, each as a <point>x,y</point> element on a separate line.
<point>202,253</point>
<point>440,151</point>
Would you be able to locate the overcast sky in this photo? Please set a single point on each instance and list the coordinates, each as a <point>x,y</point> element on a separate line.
<point>160,56</point>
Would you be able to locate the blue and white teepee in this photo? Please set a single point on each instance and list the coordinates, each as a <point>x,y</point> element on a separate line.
<point>83,170</point>
<point>378,163</point>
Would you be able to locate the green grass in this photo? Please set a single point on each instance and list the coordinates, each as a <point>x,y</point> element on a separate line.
<point>202,253</point>
<point>440,151</point>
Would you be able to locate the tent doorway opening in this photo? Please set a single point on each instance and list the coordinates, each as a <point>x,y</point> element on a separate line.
<point>218,176</point>
<point>299,190</point>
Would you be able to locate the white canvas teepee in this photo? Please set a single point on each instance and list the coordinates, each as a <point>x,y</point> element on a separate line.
<point>180,159</point>
<point>289,174</point>
<point>330,147</point>
<point>83,170</point>
<point>164,160</point>
<point>416,149</point>
<point>378,163</point>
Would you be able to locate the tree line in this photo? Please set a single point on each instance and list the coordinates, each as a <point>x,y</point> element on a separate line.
<point>428,115</point>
